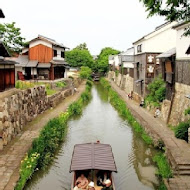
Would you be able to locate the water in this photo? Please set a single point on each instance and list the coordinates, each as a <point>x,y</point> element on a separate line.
<point>100,121</point>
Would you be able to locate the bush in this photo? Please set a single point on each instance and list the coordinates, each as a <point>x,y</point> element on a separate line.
<point>157,92</point>
<point>85,72</point>
<point>75,108</point>
<point>181,131</point>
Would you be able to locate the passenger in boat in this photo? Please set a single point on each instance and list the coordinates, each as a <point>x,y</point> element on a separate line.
<point>91,186</point>
<point>83,181</point>
<point>78,186</point>
<point>102,176</point>
<point>108,185</point>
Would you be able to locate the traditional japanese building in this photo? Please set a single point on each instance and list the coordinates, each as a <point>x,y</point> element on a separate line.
<point>147,66</point>
<point>44,58</point>
<point>7,70</point>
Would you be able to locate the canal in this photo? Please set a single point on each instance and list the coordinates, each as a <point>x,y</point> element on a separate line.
<point>100,121</point>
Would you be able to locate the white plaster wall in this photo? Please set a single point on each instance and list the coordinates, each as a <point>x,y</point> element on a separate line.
<point>128,65</point>
<point>116,60</point>
<point>59,50</point>
<point>160,40</point>
<point>37,42</point>
<point>111,62</point>
<point>182,45</point>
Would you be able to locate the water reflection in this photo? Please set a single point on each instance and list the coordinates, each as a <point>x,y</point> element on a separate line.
<point>100,121</point>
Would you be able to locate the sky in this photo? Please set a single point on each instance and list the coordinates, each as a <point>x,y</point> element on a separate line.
<point>99,23</point>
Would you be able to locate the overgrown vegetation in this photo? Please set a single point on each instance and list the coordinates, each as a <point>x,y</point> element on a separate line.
<point>44,147</point>
<point>85,72</point>
<point>157,92</point>
<point>120,106</point>
<point>164,170</point>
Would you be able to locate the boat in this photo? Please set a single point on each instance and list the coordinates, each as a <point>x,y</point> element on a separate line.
<point>91,158</point>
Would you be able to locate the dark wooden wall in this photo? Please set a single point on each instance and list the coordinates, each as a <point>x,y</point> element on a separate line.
<point>182,74</point>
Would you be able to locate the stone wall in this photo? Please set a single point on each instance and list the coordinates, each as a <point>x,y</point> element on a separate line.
<point>180,104</point>
<point>125,82</point>
<point>165,110</point>
<point>18,109</point>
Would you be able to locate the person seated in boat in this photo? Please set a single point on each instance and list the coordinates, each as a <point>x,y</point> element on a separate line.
<point>83,181</point>
<point>108,185</point>
<point>102,176</point>
<point>78,186</point>
<point>91,186</point>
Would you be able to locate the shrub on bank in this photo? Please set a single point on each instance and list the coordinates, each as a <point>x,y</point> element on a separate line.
<point>120,106</point>
<point>44,147</point>
<point>181,131</point>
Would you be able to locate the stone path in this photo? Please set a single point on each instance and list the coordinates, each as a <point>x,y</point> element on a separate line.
<point>177,151</point>
<point>12,154</point>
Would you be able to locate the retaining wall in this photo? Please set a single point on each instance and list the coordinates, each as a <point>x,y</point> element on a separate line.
<point>22,106</point>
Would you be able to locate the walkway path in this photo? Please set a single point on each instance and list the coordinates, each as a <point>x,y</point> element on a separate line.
<point>12,155</point>
<point>178,151</point>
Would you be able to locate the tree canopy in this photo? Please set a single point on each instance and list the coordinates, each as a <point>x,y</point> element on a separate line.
<point>173,10</point>
<point>82,46</point>
<point>11,37</point>
<point>79,56</point>
<point>102,61</point>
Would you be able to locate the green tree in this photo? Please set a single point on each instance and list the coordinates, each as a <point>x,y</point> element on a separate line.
<point>79,56</point>
<point>11,37</point>
<point>82,46</point>
<point>85,72</point>
<point>173,10</point>
<point>102,61</point>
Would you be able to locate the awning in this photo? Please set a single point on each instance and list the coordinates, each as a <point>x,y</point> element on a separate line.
<point>32,63</point>
<point>93,156</point>
<point>168,53</point>
<point>44,65</point>
<point>139,80</point>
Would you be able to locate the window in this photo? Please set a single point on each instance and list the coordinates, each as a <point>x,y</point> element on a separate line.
<point>63,54</point>
<point>139,48</point>
<point>55,53</point>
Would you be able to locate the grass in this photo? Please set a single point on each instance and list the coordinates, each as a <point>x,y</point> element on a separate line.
<point>51,136</point>
<point>164,169</point>
<point>124,112</point>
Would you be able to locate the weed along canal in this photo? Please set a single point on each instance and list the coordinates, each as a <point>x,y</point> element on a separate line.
<point>100,121</point>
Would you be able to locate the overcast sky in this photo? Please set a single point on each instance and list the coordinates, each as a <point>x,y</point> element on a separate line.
<point>99,23</point>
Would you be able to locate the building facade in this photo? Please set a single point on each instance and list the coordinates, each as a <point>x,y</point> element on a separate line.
<point>44,58</point>
<point>146,49</point>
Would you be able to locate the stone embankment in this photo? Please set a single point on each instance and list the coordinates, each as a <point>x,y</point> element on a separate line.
<point>177,151</point>
<point>17,107</point>
<point>15,151</point>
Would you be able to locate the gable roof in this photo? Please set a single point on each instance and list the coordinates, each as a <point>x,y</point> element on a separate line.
<point>3,50</point>
<point>188,50</point>
<point>158,28</point>
<point>2,14</point>
<point>52,41</point>
<point>181,24</point>
<point>93,156</point>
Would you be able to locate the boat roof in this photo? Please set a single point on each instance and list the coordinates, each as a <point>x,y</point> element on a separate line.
<point>93,156</point>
